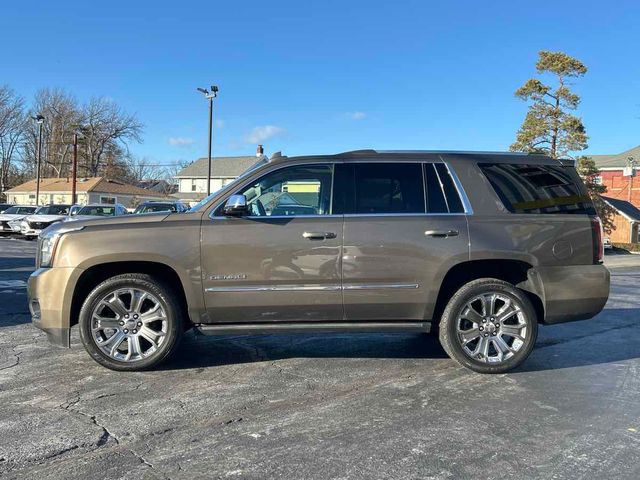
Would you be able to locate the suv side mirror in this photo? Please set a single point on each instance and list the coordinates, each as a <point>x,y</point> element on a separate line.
<point>236,206</point>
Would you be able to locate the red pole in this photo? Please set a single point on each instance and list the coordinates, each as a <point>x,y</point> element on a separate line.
<point>74,169</point>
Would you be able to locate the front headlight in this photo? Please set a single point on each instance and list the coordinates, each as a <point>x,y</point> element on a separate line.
<point>48,241</point>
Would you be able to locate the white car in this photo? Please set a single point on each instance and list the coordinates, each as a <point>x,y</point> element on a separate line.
<point>607,244</point>
<point>10,219</point>
<point>32,225</point>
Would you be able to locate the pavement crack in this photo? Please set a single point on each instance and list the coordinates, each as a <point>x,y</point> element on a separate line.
<point>16,356</point>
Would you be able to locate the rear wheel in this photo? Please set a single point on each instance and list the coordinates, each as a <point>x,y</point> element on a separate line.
<point>488,326</point>
<point>131,322</point>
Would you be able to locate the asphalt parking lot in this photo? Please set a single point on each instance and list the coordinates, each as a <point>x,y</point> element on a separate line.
<point>358,406</point>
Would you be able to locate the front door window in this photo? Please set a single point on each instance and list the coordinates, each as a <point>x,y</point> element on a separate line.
<point>293,191</point>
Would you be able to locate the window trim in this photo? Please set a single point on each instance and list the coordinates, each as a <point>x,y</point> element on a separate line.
<point>213,216</point>
<point>466,205</point>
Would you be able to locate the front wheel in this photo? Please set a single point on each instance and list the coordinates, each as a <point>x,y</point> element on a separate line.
<point>488,326</point>
<point>130,322</point>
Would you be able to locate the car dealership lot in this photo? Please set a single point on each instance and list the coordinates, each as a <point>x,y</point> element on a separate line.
<point>322,406</point>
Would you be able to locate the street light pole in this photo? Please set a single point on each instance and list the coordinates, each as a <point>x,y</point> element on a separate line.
<point>39,120</point>
<point>209,96</point>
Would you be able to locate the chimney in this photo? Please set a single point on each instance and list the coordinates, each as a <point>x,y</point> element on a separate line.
<point>259,151</point>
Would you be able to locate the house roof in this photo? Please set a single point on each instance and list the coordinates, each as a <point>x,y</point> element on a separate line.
<point>625,208</point>
<point>617,160</point>
<point>221,167</point>
<point>91,184</point>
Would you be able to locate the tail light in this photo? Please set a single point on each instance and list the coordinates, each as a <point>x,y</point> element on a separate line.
<point>597,236</point>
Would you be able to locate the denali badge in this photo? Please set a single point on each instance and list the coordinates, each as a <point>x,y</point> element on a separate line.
<point>233,276</point>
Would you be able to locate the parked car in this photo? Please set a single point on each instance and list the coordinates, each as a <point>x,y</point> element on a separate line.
<point>10,219</point>
<point>607,244</point>
<point>5,206</point>
<point>32,225</point>
<point>94,210</point>
<point>154,207</point>
<point>480,247</point>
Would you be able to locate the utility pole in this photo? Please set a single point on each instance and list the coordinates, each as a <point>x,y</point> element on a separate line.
<point>209,96</point>
<point>39,120</point>
<point>74,168</point>
<point>632,163</point>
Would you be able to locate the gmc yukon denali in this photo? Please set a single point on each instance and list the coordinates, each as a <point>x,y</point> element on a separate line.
<point>478,247</point>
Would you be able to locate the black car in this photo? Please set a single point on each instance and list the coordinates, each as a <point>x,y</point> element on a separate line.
<point>4,206</point>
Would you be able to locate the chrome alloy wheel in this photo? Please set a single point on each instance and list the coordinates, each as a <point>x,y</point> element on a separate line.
<point>129,324</point>
<point>492,327</point>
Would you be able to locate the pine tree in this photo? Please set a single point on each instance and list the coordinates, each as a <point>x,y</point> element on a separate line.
<point>548,126</point>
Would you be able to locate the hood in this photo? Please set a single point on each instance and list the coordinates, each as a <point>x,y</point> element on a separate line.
<point>89,221</point>
<point>44,218</point>
<point>12,217</point>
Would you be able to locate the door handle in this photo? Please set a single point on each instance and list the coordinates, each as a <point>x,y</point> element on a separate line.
<point>318,235</point>
<point>441,233</point>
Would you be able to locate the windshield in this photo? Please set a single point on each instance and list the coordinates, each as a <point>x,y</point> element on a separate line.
<point>206,200</point>
<point>156,207</point>
<point>20,210</point>
<point>97,211</point>
<point>53,210</point>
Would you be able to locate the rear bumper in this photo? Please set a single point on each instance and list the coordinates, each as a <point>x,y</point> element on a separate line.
<point>50,292</point>
<point>570,293</point>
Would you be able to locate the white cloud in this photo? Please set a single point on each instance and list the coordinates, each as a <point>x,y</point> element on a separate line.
<point>181,141</point>
<point>356,115</point>
<point>260,134</point>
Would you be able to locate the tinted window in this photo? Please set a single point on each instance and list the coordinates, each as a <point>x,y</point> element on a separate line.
<point>156,207</point>
<point>54,210</point>
<point>97,211</point>
<point>20,210</point>
<point>450,191</point>
<point>388,188</point>
<point>435,196</point>
<point>538,188</point>
<point>291,191</point>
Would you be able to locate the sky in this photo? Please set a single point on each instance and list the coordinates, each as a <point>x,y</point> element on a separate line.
<point>327,76</point>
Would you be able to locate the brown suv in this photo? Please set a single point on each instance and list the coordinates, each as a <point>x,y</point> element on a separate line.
<point>485,246</point>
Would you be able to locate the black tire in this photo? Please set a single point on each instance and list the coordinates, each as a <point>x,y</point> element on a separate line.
<point>448,331</point>
<point>166,298</point>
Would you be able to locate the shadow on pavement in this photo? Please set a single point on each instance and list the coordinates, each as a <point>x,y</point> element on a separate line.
<point>560,346</point>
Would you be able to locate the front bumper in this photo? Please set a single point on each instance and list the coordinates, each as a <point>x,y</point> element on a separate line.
<point>50,293</point>
<point>575,292</point>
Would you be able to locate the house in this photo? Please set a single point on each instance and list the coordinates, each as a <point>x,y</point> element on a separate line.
<point>626,221</point>
<point>158,186</point>
<point>192,180</point>
<point>88,190</point>
<point>616,175</point>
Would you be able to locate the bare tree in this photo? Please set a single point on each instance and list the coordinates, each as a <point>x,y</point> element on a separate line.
<point>62,114</point>
<point>12,131</point>
<point>106,126</point>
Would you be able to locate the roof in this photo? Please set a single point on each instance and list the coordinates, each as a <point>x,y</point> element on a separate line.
<point>619,160</point>
<point>221,167</point>
<point>625,208</point>
<point>91,184</point>
<point>429,155</point>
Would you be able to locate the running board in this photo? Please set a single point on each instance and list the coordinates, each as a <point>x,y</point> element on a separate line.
<point>311,327</point>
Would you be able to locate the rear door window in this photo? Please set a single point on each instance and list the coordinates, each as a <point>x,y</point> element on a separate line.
<point>538,188</point>
<point>388,188</point>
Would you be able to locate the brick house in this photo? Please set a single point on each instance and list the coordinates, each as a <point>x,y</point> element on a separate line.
<point>614,174</point>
